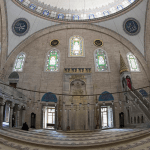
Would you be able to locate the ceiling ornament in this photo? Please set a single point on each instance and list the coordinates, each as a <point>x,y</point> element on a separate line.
<point>131,26</point>
<point>20,26</point>
<point>54,43</point>
<point>75,10</point>
<point>98,43</point>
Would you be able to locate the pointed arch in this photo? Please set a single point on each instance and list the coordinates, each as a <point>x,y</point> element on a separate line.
<point>101,61</point>
<point>133,63</point>
<point>52,63</point>
<point>76,46</point>
<point>19,62</point>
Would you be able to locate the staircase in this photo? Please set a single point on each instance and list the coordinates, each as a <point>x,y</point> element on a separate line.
<point>141,102</point>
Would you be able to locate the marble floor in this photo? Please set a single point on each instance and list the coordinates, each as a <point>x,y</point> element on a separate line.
<point>111,139</point>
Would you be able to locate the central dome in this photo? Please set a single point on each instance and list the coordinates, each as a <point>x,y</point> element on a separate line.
<point>75,10</point>
<point>78,4</point>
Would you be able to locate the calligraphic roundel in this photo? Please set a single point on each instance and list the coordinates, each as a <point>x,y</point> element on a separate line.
<point>106,96</point>
<point>49,97</point>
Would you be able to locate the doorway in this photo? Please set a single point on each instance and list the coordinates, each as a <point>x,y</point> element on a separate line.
<point>106,117</point>
<point>48,117</point>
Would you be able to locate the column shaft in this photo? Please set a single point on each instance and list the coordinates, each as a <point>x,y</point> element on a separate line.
<point>1,116</point>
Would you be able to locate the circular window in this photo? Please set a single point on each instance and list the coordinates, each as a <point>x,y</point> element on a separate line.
<point>131,26</point>
<point>54,42</point>
<point>20,26</point>
<point>98,43</point>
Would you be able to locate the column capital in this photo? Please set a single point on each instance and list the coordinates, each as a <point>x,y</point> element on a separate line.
<point>12,105</point>
<point>2,102</point>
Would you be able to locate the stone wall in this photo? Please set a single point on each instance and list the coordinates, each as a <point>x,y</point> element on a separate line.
<point>36,47</point>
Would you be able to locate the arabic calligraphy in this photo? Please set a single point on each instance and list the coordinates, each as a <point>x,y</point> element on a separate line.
<point>131,26</point>
<point>20,26</point>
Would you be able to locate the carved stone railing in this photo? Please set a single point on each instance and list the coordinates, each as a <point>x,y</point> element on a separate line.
<point>11,94</point>
<point>77,70</point>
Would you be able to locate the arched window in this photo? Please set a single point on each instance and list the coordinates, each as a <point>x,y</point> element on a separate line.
<point>76,46</point>
<point>19,62</point>
<point>101,61</point>
<point>133,63</point>
<point>52,61</point>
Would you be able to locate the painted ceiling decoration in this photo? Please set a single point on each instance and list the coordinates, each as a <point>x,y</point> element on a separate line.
<point>20,26</point>
<point>75,10</point>
<point>131,26</point>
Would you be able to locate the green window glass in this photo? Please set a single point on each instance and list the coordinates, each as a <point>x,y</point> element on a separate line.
<point>18,66</point>
<point>52,63</point>
<point>101,63</point>
<point>134,67</point>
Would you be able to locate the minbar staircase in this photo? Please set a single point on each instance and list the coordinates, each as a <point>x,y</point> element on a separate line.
<point>141,102</point>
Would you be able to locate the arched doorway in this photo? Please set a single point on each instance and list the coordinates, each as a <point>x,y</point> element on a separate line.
<point>49,110</point>
<point>129,82</point>
<point>106,110</point>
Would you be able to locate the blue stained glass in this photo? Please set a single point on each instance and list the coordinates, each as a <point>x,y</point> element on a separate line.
<point>60,16</point>
<point>75,17</point>
<point>49,97</point>
<point>131,1</point>
<point>46,12</point>
<point>119,7</point>
<point>106,13</point>
<point>32,6</point>
<point>91,16</point>
<point>144,93</point>
<point>20,0</point>
<point>106,96</point>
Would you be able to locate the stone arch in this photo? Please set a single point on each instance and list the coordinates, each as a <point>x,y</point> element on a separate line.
<point>106,96</point>
<point>49,97</point>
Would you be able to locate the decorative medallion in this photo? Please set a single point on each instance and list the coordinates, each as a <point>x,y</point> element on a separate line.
<point>54,43</point>
<point>98,43</point>
<point>131,26</point>
<point>20,26</point>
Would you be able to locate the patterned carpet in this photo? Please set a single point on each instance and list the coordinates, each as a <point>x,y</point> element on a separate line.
<point>112,139</point>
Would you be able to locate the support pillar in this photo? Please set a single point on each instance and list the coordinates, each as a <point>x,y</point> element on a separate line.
<point>23,115</point>
<point>18,116</point>
<point>2,103</point>
<point>11,113</point>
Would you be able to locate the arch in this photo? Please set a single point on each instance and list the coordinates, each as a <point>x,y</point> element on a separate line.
<point>142,119</point>
<point>101,61</point>
<point>134,119</point>
<point>19,62</point>
<point>76,46</point>
<point>49,97</point>
<point>52,60</point>
<point>138,119</point>
<point>106,96</point>
<point>13,76</point>
<point>143,92</point>
<point>133,63</point>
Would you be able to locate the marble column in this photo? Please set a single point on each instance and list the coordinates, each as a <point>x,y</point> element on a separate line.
<point>2,103</point>
<point>18,116</point>
<point>11,113</point>
<point>23,115</point>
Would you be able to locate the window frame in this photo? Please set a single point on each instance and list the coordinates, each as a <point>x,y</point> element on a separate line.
<point>47,59</point>
<point>69,51</point>
<point>129,63</point>
<point>108,70</point>
<point>16,70</point>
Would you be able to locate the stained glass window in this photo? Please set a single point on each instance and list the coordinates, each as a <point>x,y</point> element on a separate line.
<point>133,62</point>
<point>52,61</point>
<point>101,61</point>
<point>18,66</point>
<point>76,47</point>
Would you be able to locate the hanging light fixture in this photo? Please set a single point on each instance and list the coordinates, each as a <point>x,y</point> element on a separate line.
<point>103,103</point>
